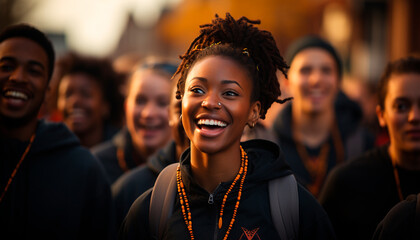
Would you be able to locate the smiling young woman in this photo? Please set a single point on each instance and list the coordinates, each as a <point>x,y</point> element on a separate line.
<point>373,183</point>
<point>227,80</point>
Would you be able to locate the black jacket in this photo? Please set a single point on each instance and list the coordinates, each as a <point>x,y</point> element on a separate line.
<point>354,137</point>
<point>358,194</point>
<point>59,192</point>
<point>132,184</point>
<point>107,155</point>
<point>265,163</point>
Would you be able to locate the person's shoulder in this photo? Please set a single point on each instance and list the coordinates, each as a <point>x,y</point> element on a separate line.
<point>308,205</point>
<point>136,223</point>
<point>400,222</point>
<point>104,150</point>
<point>55,141</point>
<point>368,161</point>
<point>139,180</point>
<point>314,221</point>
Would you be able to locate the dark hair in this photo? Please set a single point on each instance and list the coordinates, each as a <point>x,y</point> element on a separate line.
<point>31,33</point>
<point>312,41</point>
<point>409,64</point>
<point>101,71</point>
<point>254,49</point>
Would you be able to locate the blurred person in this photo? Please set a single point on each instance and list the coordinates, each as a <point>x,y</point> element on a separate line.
<point>88,98</point>
<point>51,187</point>
<point>227,80</point>
<point>365,94</point>
<point>147,120</point>
<point>402,222</point>
<point>133,183</point>
<point>358,195</point>
<point>322,127</point>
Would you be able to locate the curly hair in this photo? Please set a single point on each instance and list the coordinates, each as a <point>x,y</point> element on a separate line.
<point>240,40</point>
<point>101,71</point>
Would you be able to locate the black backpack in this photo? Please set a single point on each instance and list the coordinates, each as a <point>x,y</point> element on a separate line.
<point>284,203</point>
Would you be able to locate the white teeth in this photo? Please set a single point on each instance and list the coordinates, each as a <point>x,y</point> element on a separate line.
<point>16,94</point>
<point>211,122</point>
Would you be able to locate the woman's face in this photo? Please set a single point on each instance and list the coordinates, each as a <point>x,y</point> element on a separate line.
<point>81,102</point>
<point>147,110</point>
<point>210,126</point>
<point>313,80</point>
<point>401,113</point>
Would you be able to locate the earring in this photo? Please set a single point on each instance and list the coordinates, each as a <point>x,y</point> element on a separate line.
<point>180,116</point>
<point>219,104</point>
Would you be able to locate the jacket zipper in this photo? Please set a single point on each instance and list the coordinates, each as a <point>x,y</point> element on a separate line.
<point>211,200</point>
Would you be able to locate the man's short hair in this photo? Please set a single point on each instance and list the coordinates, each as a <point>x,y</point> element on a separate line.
<point>31,33</point>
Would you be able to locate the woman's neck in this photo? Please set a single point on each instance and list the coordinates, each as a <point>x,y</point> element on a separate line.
<point>209,170</point>
<point>91,138</point>
<point>404,159</point>
<point>141,153</point>
<point>312,129</point>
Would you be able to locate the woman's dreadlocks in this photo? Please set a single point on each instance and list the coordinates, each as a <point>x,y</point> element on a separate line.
<point>253,48</point>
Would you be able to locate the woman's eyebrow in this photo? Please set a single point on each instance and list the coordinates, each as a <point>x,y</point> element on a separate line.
<point>231,81</point>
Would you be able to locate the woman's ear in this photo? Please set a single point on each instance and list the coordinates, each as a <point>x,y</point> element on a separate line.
<point>380,114</point>
<point>254,114</point>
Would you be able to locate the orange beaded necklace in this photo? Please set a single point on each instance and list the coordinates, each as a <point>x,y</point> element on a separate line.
<point>17,167</point>
<point>185,207</point>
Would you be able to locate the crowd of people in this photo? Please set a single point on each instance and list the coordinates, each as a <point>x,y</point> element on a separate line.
<point>179,149</point>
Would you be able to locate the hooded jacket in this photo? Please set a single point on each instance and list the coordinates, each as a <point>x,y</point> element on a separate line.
<point>107,155</point>
<point>253,219</point>
<point>367,188</point>
<point>60,190</point>
<point>135,182</point>
<point>354,137</point>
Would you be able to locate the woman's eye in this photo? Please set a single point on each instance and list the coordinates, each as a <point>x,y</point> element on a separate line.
<point>401,107</point>
<point>197,90</point>
<point>231,94</point>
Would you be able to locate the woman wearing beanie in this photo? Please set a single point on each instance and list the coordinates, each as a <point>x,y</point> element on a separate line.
<point>321,127</point>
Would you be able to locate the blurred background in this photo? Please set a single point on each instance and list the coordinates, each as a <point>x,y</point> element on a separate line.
<point>367,33</point>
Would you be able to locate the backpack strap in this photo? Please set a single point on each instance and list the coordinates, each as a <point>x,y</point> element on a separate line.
<point>284,204</point>
<point>162,200</point>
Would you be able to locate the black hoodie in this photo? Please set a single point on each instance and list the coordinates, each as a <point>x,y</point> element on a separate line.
<point>265,163</point>
<point>59,192</point>
<point>107,154</point>
<point>132,184</point>
<point>354,137</point>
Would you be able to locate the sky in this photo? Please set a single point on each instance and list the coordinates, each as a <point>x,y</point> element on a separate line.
<point>93,26</point>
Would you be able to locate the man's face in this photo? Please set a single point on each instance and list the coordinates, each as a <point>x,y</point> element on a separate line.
<point>313,80</point>
<point>23,79</point>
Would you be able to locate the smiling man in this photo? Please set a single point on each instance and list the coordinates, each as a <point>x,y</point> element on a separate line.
<point>321,128</point>
<point>50,185</point>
